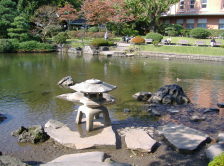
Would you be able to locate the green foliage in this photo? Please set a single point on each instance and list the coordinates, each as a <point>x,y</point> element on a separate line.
<point>7,45</point>
<point>122,29</point>
<point>7,14</point>
<point>154,36</point>
<point>51,30</point>
<point>217,161</point>
<point>19,29</point>
<point>185,32</point>
<point>156,43</point>
<point>216,32</point>
<point>34,46</point>
<point>200,33</point>
<point>93,29</point>
<point>173,30</point>
<point>149,11</point>
<point>101,42</point>
<point>138,40</point>
<point>60,38</point>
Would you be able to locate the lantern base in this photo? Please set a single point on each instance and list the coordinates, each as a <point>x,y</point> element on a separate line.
<point>90,113</point>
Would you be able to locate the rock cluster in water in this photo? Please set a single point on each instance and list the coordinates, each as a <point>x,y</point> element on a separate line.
<point>170,94</point>
<point>66,81</point>
<point>34,134</point>
<point>2,118</point>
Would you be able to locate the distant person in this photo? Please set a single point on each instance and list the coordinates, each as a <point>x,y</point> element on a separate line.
<point>168,40</point>
<point>106,35</point>
<point>213,42</point>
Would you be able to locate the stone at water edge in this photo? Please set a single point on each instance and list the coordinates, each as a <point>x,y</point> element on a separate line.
<point>126,110</point>
<point>34,134</point>
<point>173,111</point>
<point>66,81</point>
<point>2,117</point>
<point>220,138</point>
<point>197,118</point>
<point>142,96</point>
<point>220,105</point>
<point>182,138</point>
<point>169,94</point>
<point>11,161</point>
<point>72,139</point>
<point>139,140</point>
<point>210,110</point>
<point>214,150</point>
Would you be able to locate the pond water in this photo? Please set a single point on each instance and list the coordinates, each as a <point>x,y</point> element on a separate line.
<point>28,86</point>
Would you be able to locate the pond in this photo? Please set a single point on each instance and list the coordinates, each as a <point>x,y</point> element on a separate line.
<point>28,86</point>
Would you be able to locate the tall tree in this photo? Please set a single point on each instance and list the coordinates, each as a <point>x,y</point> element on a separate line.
<point>20,28</point>
<point>149,11</point>
<point>67,13</point>
<point>46,21</point>
<point>104,11</point>
<point>7,14</point>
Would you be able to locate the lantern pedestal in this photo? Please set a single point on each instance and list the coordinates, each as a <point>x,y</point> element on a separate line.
<point>90,113</point>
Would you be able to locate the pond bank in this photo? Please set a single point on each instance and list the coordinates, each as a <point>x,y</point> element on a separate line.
<point>170,56</point>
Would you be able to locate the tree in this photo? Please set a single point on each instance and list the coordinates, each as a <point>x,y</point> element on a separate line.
<point>7,14</point>
<point>148,12</point>
<point>20,28</point>
<point>46,21</point>
<point>67,13</point>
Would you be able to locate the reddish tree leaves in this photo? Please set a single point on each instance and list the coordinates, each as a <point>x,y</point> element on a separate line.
<point>67,13</point>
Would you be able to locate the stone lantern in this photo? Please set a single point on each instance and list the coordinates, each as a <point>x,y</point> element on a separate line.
<point>92,101</point>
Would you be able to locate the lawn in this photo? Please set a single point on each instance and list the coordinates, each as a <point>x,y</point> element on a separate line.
<point>199,50</point>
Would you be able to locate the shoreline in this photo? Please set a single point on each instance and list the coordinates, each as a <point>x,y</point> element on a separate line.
<point>170,56</point>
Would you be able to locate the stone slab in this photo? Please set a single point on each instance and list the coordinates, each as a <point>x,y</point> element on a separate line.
<point>220,138</point>
<point>183,138</point>
<point>214,150</point>
<point>11,161</point>
<point>139,140</point>
<point>88,156</point>
<point>73,139</point>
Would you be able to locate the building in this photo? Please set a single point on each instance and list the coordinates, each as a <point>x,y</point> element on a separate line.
<point>196,13</point>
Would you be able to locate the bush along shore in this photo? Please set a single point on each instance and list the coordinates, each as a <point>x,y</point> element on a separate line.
<point>12,45</point>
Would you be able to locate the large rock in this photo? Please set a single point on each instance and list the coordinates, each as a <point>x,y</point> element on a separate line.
<point>142,96</point>
<point>82,159</point>
<point>139,140</point>
<point>11,161</point>
<point>2,117</point>
<point>220,138</point>
<point>34,134</point>
<point>62,134</point>
<point>66,81</point>
<point>169,94</point>
<point>214,150</point>
<point>77,96</point>
<point>182,138</point>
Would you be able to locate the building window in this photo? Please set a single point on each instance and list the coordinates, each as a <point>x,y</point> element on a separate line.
<point>180,21</point>
<point>190,24</point>
<point>192,2</point>
<point>203,3</point>
<point>202,23</point>
<point>221,23</point>
<point>181,4</point>
<point>167,21</point>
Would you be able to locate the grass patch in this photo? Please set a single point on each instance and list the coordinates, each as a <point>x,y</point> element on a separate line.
<point>213,51</point>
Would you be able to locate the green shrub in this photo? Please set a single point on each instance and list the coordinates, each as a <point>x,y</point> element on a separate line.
<point>138,40</point>
<point>185,32</point>
<point>156,43</point>
<point>81,34</point>
<point>200,33</point>
<point>34,46</point>
<point>93,29</point>
<point>217,161</point>
<point>216,32</point>
<point>60,38</point>
<point>154,36</point>
<point>101,42</point>
<point>173,30</point>
<point>8,45</point>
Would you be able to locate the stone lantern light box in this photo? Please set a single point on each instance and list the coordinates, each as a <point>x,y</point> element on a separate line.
<point>92,101</point>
